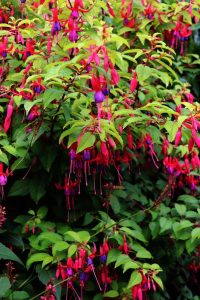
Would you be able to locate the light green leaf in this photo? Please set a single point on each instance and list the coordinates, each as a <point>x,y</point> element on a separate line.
<point>71,250</point>
<point>130,265</point>
<point>135,279</point>
<point>196,233</point>
<point>3,158</point>
<point>72,236</point>
<point>111,294</point>
<point>122,260</point>
<point>51,94</point>
<point>181,209</point>
<point>59,246</point>
<point>37,257</point>
<point>47,261</point>
<point>143,73</point>
<point>113,254</point>
<point>158,281</point>
<point>87,140</point>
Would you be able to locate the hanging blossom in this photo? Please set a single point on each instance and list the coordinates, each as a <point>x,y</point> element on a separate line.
<point>29,49</point>
<point>139,291</point>
<point>49,292</point>
<point>3,178</point>
<point>7,121</point>
<point>4,49</point>
<point>127,13</point>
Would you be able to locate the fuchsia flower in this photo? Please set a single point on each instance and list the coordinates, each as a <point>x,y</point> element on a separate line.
<point>172,165</point>
<point>4,50</point>
<point>126,14</point>
<point>34,113</point>
<point>49,293</point>
<point>29,49</point>
<point>193,182</point>
<point>130,139</point>
<point>190,97</point>
<point>110,9</point>
<point>70,190</point>
<point>3,179</point>
<point>195,161</point>
<point>9,113</point>
<point>4,17</point>
<point>114,75</point>
<point>149,11</point>
<point>148,143</point>
<point>139,290</point>
<point>37,86</point>
<point>124,248</point>
<point>73,29</point>
<point>134,82</point>
<point>94,56</point>
<point>178,137</point>
<point>56,26</point>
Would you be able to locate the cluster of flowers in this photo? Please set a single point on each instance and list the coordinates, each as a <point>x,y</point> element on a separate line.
<point>81,268</point>
<point>182,170</point>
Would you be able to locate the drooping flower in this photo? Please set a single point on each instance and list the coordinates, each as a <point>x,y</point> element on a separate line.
<point>134,82</point>
<point>9,113</point>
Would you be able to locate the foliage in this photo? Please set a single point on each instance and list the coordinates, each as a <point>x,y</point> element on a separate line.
<point>99,158</point>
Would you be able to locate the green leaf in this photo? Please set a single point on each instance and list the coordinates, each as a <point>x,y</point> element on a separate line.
<point>111,294</point>
<point>196,233</point>
<point>188,199</point>
<point>6,253</point>
<point>181,209</point>
<point>119,40</point>
<point>122,259</point>
<point>37,257</point>
<point>135,234</point>
<point>113,254</point>
<point>143,73</point>
<point>46,261</point>
<point>4,285</point>
<point>87,140</point>
<point>165,224</point>
<point>72,236</point>
<point>19,295</point>
<point>3,158</point>
<point>59,246</point>
<point>51,94</point>
<point>10,149</point>
<point>135,279</point>
<point>143,253</point>
<point>20,188</point>
<point>52,237</point>
<point>130,265</point>
<point>158,281</point>
<point>98,297</point>
<point>37,189</point>
<point>84,236</point>
<point>42,212</point>
<point>71,250</point>
<point>115,204</point>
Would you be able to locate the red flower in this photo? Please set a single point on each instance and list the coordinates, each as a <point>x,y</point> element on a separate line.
<point>9,113</point>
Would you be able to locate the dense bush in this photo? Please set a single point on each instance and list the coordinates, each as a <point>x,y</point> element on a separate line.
<point>99,159</point>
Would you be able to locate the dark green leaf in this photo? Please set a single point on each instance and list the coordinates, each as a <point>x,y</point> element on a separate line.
<point>6,253</point>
